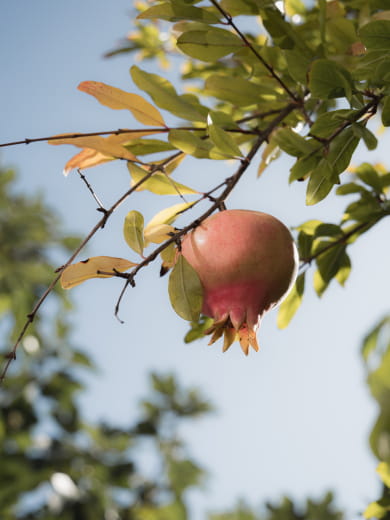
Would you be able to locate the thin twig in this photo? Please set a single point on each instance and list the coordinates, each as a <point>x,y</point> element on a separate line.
<point>91,190</point>
<point>100,225</point>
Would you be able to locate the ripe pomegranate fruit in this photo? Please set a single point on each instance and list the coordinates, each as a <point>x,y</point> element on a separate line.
<point>247,262</point>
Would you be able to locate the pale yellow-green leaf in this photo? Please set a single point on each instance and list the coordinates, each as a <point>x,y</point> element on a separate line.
<point>168,256</point>
<point>168,215</point>
<point>383,470</point>
<point>185,290</point>
<point>118,99</point>
<point>375,510</point>
<point>93,267</point>
<point>159,183</point>
<point>291,303</point>
<point>223,141</point>
<point>133,231</point>
<point>157,234</point>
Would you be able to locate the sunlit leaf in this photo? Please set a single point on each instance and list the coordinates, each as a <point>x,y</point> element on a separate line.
<point>169,215</point>
<point>158,234</point>
<point>103,145</point>
<point>118,99</point>
<point>87,158</point>
<point>159,183</point>
<point>293,143</point>
<point>291,304</point>
<point>165,96</point>
<point>238,91</point>
<point>94,267</point>
<point>224,142</point>
<point>133,231</point>
<point>320,183</point>
<point>210,44</point>
<point>191,144</point>
<point>185,290</point>
<point>174,11</point>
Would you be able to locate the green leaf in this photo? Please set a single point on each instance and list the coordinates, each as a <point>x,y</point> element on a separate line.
<point>291,304</point>
<point>165,96</point>
<point>364,133</point>
<point>367,173</point>
<point>198,329</point>
<point>190,143</point>
<point>376,35</point>
<point>175,11</point>
<point>304,167</point>
<point>341,150</point>
<point>386,111</point>
<point>329,80</point>
<point>133,231</point>
<point>237,90</point>
<point>185,290</point>
<point>329,264</point>
<point>298,65</point>
<point>321,181</point>
<point>241,7</point>
<point>159,183</point>
<point>148,146</point>
<point>327,123</point>
<point>210,44</point>
<point>283,33</point>
<point>292,143</point>
<point>350,187</point>
<point>223,141</point>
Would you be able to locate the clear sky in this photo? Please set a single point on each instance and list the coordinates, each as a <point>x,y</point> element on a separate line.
<point>293,418</point>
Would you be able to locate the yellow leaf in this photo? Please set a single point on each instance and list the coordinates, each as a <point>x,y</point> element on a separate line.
<point>100,144</point>
<point>93,268</point>
<point>88,157</point>
<point>118,99</point>
<point>157,234</point>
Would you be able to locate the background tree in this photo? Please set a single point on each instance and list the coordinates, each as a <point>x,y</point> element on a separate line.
<point>288,77</point>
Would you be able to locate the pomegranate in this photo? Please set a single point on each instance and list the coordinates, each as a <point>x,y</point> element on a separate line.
<point>247,262</point>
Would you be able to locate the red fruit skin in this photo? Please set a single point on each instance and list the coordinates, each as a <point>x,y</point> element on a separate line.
<point>247,262</point>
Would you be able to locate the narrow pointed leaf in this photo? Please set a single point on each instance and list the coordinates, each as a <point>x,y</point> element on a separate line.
<point>185,290</point>
<point>159,183</point>
<point>118,99</point>
<point>320,183</point>
<point>165,96</point>
<point>224,142</point>
<point>157,234</point>
<point>291,304</point>
<point>93,267</point>
<point>133,231</point>
<point>168,215</point>
<point>209,45</point>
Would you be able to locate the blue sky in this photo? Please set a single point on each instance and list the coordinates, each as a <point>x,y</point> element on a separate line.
<point>292,419</point>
